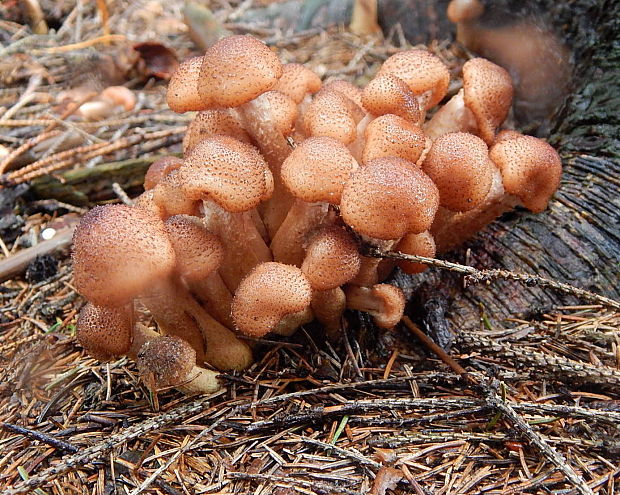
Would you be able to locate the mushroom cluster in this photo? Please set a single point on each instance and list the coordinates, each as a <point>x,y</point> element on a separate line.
<point>258,228</point>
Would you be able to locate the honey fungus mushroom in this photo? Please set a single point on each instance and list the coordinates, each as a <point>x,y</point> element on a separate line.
<point>105,332</point>
<point>273,297</point>
<point>122,253</point>
<point>168,361</point>
<point>260,226</point>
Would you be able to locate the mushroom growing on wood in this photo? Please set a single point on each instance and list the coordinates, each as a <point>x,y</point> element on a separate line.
<point>384,302</point>
<point>262,233</point>
<point>480,107</point>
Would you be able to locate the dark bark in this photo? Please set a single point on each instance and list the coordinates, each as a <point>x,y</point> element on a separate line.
<point>577,240</point>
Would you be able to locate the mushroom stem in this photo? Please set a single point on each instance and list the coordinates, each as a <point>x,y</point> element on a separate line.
<point>384,302</point>
<point>169,304</point>
<point>200,381</point>
<point>245,246</point>
<point>141,335</point>
<point>259,123</point>
<point>214,295</point>
<point>177,313</point>
<point>288,244</point>
<point>328,307</point>
<point>454,116</point>
<point>369,269</point>
<point>451,229</point>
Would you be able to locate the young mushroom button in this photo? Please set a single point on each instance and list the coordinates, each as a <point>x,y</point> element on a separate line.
<point>169,362</point>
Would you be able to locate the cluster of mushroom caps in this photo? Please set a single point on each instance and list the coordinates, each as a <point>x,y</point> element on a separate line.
<point>258,228</point>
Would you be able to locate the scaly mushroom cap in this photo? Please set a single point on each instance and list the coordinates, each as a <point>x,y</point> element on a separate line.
<point>146,200</point>
<point>105,332</point>
<point>346,89</point>
<point>266,295</point>
<point>235,70</point>
<point>210,123</point>
<point>390,135</point>
<point>332,114</point>
<point>530,168</point>
<point>297,81</point>
<point>459,165</point>
<point>198,251</point>
<point>506,134</point>
<point>283,110</point>
<point>332,259</point>
<point>384,302</point>
<point>118,253</point>
<point>418,245</point>
<point>182,92</point>
<point>227,171</point>
<point>168,196</point>
<point>388,94</point>
<point>160,169</point>
<point>318,169</point>
<point>167,361</point>
<point>422,71</point>
<point>388,198</point>
<point>488,94</point>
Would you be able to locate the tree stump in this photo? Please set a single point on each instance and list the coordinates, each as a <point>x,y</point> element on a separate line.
<point>577,240</point>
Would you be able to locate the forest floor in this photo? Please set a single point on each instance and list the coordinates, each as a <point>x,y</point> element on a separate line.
<point>537,411</point>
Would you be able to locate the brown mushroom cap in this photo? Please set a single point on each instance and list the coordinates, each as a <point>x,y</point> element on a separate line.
<point>227,171</point>
<point>505,134</point>
<point>389,198</point>
<point>237,69</point>
<point>182,92</point>
<point>332,259</point>
<point>422,71</point>
<point>159,169</point>
<point>297,81</point>
<point>167,360</point>
<point>146,200</point>
<point>105,332</point>
<point>459,165</point>
<point>346,89</point>
<point>169,198</point>
<point>530,168</point>
<point>211,122</point>
<point>270,292</point>
<point>488,94</point>
<point>198,251</point>
<point>384,302</point>
<point>332,114</point>
<point>422,244</point>
<point>318,169</point>
<point>283,110</point>
<point>119,252</point>
<point>390,135</point>
<point>388,94</point>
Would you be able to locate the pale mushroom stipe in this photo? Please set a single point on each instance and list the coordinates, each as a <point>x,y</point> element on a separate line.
<point>258,228</point>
